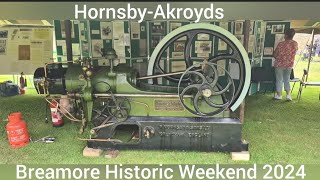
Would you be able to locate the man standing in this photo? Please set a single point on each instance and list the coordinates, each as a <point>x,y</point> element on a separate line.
<point>284,59</point>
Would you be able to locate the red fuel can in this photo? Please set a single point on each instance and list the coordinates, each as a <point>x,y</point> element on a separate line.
<point>17,130</point>
<point>22,91</point>
<point>56,116</point>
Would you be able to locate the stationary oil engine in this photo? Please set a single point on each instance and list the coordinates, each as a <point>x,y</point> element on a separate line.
<point>193,110</point>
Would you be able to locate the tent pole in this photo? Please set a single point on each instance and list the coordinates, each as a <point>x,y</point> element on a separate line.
<point>310,53</point>
<point>246,46</point>
<point>68,29</point>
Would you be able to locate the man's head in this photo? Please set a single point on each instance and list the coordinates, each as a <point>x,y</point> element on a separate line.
<point>289,33</point>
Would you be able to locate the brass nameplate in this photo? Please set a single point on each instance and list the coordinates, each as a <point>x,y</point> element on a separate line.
<point>168,105</point>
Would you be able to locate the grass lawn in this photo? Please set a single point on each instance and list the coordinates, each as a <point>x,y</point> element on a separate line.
<point>278,132</point>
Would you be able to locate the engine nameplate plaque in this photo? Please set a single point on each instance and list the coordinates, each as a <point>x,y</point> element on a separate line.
<point>168,105</point>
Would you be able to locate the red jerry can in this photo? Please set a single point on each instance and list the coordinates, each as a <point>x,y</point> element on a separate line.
<point>17,130</point>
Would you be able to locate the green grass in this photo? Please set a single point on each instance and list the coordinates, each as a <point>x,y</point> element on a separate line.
<point>278,132</point>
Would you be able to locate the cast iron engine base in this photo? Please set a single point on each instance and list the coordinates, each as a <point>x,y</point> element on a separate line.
<point>177,133</point>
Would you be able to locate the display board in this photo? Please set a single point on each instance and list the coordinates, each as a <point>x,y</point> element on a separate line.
<point>134,43</point>
<point>273,35</point>
<point>256,46</point>
<point>23,49</point>
<point>139,46</point>
<point>59,27</point>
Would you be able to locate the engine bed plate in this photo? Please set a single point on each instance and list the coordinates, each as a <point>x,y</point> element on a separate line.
<point>177,133</point>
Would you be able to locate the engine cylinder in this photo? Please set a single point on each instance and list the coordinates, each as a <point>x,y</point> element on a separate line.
<point>74,78</point>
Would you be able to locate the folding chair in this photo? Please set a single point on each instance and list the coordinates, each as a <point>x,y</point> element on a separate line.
<point>293,79</point>
<point>303,83</point>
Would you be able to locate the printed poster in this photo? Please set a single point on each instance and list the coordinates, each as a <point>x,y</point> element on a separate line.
<point>135,30</point>
<point>36,48</point>
<point>41,33</point>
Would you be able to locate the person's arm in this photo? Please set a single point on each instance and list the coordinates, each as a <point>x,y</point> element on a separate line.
<point>295,48</point>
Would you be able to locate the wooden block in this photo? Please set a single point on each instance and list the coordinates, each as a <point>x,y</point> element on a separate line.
<point>112,154</point>
<point>90,152</point>
<point>240,156</point>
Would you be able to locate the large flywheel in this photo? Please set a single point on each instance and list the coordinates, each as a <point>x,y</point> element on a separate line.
<point>205,88</point>
<point>187,81</point>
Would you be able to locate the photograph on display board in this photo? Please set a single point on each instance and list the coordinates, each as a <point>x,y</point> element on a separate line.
<point>24,52</point>
<point>155,41</point>
<point>179,46</point>
<point>97,45</point>
<point>3,47</point>
<point>3,33</point>
<point>158,28</point>
<point>174,26</point>
<point>106,30</point>
<point>203,37</point>
<point>222,45</point>
<point>238,27</point>
<point>277,29</point>
<point>203,47</point>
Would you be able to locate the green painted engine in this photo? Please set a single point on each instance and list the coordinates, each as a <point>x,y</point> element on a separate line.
<point>195,105</point>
